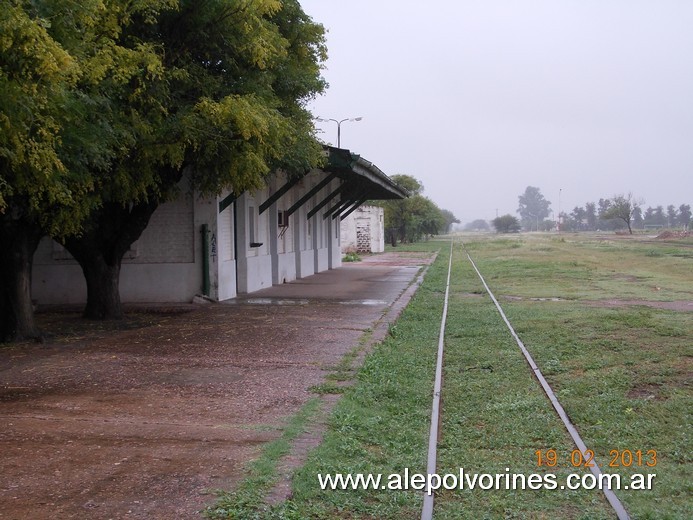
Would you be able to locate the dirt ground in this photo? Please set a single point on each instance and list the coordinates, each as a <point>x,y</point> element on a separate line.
<point>144,421</point>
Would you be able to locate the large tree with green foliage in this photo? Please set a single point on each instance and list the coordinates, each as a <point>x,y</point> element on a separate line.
<point>410,219</point>
<point>227,106</point>
<point>533,207</point>
<point>215,88</point>
<point>52,136</point>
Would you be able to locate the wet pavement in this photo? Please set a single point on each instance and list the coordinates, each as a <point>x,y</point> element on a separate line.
<point>144,423</point>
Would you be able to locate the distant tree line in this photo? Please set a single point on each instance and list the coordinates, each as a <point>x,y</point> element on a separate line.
<point>612,215</point>
<point>620,212</point>
<point>416,217</point>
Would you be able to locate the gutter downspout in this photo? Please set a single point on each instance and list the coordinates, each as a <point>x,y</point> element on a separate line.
<point>205,259</point>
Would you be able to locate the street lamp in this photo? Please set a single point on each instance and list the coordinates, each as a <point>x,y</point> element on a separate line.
<point>339,126</point>
<point>559,209</point>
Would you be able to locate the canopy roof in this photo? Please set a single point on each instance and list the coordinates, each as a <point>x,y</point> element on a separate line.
<point>362,177</point>
<point>361,180</point>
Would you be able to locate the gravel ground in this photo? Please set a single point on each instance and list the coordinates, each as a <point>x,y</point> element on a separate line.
<point>144,419</point>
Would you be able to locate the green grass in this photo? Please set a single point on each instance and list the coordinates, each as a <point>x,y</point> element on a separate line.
<point>621,373</point>
<point>247,500</point>
<point>351,257</point>
<point>496,416</point>
<point>585,267</point>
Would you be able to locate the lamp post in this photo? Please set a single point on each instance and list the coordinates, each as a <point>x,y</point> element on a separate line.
<point>339,126</point>
<point>559,209</point>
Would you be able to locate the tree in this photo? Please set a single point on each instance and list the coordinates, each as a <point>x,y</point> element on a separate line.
<point>684,215</point>
<point>621,207</point>
<point>533,207</point>
<point>655,217</point>
<point>104,105</point>
<point>225,106</point>
<point>603,206</point>
<point>672,217</point>
<point>410,219</point>
<point>477,225</point>
<point>568,222</point>
<point>426,218</point>
<point>450,219</point>
<point>398,216</point>
<point>637,218</point>
<point>506,224</point>
<point>579,216</point>
<point>591,215</point>
<point>51,136</point>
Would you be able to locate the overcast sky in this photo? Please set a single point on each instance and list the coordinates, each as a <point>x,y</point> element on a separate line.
<point>479,99</point>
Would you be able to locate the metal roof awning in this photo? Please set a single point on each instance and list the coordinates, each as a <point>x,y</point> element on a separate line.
<point>362,178</point>
<point>361,181</point>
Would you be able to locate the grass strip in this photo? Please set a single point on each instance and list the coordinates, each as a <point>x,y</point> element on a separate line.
<point>380,425</point>
<point>247,501</point>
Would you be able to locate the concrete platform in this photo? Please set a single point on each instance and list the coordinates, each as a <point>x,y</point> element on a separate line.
<point>142,423</point>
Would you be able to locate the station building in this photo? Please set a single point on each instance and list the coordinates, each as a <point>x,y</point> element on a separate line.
<point>232,244</point>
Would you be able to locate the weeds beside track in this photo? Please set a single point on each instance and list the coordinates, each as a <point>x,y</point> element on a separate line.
<point>622,374</point>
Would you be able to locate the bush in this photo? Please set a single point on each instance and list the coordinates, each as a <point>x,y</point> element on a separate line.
<point>506,224</point>
<point>351,256</point>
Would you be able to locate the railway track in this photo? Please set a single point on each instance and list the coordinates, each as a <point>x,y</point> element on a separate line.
<point>427,512</point>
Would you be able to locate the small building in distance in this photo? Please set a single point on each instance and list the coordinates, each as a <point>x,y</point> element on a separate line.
<point>363,231</point>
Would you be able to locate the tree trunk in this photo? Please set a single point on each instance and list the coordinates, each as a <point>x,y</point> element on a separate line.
<point>18,242</point>
<point>103,292</point>
<point>630,230</point>
<point>100,250</point>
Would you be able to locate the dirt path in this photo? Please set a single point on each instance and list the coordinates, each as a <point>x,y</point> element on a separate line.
<point>143,423</point>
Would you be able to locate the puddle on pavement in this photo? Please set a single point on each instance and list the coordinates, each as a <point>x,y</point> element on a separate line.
<point>275,301</point>
<point>267,301</point>
<point>364,302</point>
<point>520,298</point>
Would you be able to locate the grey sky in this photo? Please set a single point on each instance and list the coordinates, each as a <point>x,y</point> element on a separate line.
<point>479,99</point>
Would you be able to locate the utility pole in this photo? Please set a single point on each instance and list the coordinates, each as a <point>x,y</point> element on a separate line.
<point>559,209</point>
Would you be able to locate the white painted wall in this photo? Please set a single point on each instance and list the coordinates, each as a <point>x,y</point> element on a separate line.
<point>335,250</point>
<point>366,223</point>
<point>226,266</point>
<point>166,263</point>
<point>254,264</point>
<point>282,238</point>
<point>160,267</point>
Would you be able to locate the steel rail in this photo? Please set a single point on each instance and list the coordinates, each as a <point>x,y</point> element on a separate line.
<point>621,512</point>
<point>427,510</point>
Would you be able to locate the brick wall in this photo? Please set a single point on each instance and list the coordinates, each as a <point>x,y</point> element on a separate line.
<point>169,237</point>
<point>363,235</point>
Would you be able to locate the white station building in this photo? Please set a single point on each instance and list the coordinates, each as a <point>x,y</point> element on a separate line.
<point>232,244</point>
